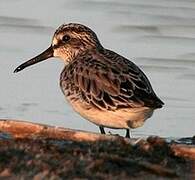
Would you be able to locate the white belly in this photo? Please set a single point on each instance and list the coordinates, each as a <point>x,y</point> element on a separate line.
<point>119,119</point>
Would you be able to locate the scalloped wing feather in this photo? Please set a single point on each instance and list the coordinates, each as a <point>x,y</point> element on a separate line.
<point>111,82</point>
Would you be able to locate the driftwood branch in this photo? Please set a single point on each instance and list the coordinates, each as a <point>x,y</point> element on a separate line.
<point>23,129</point>
<point>182,150</point>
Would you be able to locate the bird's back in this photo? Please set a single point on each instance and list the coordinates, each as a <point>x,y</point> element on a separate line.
<point>108,81</point>
<point>142,86</point>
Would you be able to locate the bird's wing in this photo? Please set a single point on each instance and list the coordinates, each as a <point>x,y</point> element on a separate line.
<point>113,85</point>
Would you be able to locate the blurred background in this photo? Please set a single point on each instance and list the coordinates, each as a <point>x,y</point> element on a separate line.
<point>158,35</point>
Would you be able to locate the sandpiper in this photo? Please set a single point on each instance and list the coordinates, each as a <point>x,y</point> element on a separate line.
<point>101,85</point>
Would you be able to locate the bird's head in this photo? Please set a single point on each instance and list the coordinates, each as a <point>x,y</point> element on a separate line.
<point>68,42</point>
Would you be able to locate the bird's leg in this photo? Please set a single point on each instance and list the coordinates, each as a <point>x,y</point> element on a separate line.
<point>102,130</point>
<point>128,133</point>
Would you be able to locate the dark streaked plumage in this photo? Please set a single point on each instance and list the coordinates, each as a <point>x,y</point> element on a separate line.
<point>104,87</point>
<point>108,81</point>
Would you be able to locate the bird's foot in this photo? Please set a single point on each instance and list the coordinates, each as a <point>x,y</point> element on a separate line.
<point>113,134</point>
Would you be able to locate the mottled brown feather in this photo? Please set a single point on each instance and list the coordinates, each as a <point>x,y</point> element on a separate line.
<point>109,81</point>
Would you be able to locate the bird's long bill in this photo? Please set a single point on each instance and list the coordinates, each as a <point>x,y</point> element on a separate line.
<point>41,57</point>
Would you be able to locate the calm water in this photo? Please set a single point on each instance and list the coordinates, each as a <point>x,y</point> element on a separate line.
<point>158,35</point>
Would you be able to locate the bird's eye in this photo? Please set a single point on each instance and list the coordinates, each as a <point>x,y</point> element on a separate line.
<point>65,38</point>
